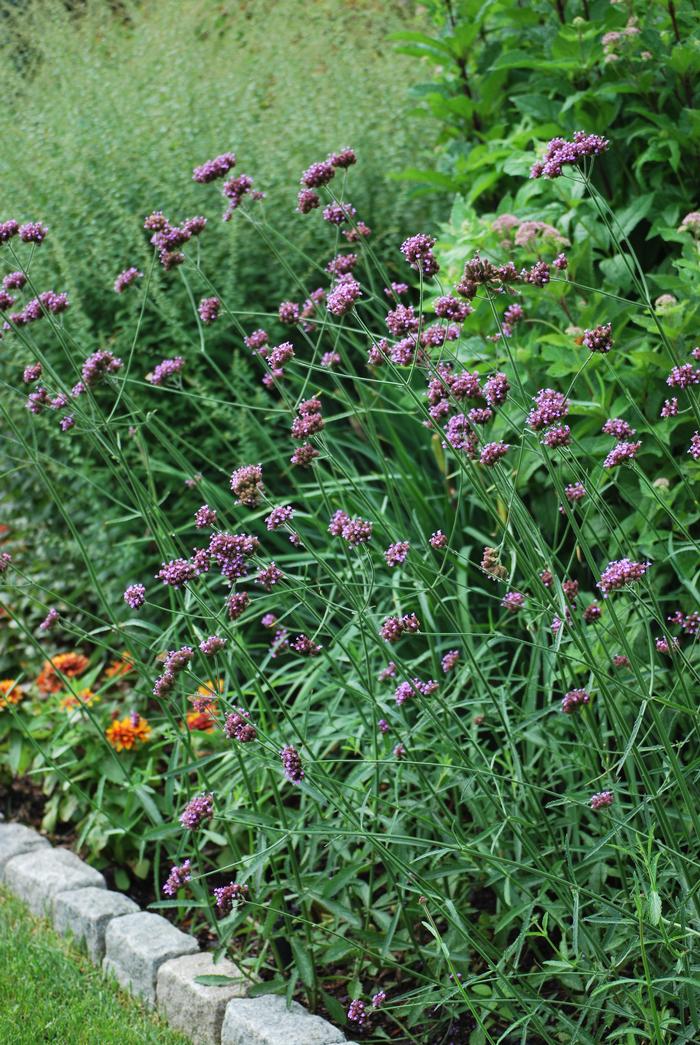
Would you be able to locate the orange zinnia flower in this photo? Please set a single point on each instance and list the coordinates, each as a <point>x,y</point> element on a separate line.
<point>124,734</point>
<point>10,692</point>
<point>84,698</point>
<point>120,666</point>
<point>201,720</point>
<point>69,664</point>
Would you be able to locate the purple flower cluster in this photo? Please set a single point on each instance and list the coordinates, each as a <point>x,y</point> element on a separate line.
<point>135,596</point>
<point>619,573</point>
<point>178,877</point>
<point>209,310</point>
<point>229,896</point>
<point>618,427</point>
<point>550,406</point>
<point>204,516</point>
<point>126,278</point>
<point>561,153</point>
<point>32,232</point>
<point>355,531</point>
<point>237,604</point>
<point>683,376</point>
<point>418,252</point>
<point>394,627</point>
<point>513,601</point>
<point>165,369</point>
<point>32,373</point>
<point>694,448</point>
<point>343,295</point>
<point>213,169</point>
<point>599,339</point>
<point>211,645</point>
<point>291,763</point>
<point>438,539</point>
<point>197,811</point>
<point>449,660</point>
<point>98,366</point>
<point>246,483</point>
<point>239,727</point>
<point>620,453</point>
<point>49,620</point>
<point>601,799</point>
<point>405,690</point>
<point>574,699</point>
<point>308,422</point>
<point>279,517</point>
<point>305,646</point>
<point>397,553</point>
<point>491,453</point>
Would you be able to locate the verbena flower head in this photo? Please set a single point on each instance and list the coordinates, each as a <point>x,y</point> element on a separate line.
<point>178,877</point>
<point>204,516</point>
<point>126,278</point>
<point>491,453</point>
<point>394,627</point>
<point>397,553</point>
<point>449,307</point>
<point>237,604</point>
<point>209,309</point>
<point>670,408</point>
<point>389,672</point>
<point>491,564</point>
<point>318,174</point>
<point>575,492</point>
<point>513,601</point>
<point>49,620</point>
<point>292,765</point>
<point>135,596</point>
<point>356,1012</point>
<point>561,153</point>
<point>211,645</point>
<point>438,539</point>
<point>418,252</point>
<point>601,800</point>
<point>229,896</point>
<point>307,200</point>
<point>239,727</point>
<point>618,427</point>
<point>573,700</point>
<point>620,453</point>
<point>450,660</point>
<point>343,296</point>
<point>620,573</point>
<point>14,281</point>
<point>99,365</point>
<point>197,811</point>
<point>8,229</point>
<point>246,483</point>
<point>33,232</point>
<point>694,448</point>
<point>269,576</point>
<point>559,435</point>
<point>683,376</point>
<point>338,213</point>
<point>213,169</point>
<point>279,517</point>
<point>176,573</point>
<point>305,646</point>
<point>32,373</point>
<point>550,406</point>
<point>592,613</point>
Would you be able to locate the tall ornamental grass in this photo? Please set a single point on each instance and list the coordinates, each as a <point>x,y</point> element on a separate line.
<point>402,705</point>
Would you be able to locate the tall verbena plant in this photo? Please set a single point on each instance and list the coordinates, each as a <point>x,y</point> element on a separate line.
<point>437,774</point>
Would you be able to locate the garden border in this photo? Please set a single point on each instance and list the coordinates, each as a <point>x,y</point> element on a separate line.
<point>147,954</point>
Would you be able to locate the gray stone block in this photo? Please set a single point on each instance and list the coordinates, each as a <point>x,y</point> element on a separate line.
<point>36,877</point>
<point>268,1021</point>
<point>191,1007</point>
<point>16,839</point>
<point>137,945</point>
<point>86,913</point>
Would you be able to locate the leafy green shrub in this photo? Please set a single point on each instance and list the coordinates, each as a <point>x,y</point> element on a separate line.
<point>453,745</point>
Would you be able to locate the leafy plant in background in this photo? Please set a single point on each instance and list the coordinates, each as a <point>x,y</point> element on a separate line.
<point>507,76</point>
<point>439,778</point>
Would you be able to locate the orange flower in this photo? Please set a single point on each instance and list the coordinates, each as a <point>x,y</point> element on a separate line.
<point>211,689</point>
<point>201,720</point>
<point>69,664</point>
<point>10,692</point>
<point>120,666</point>
<point>124,734</point>
<point>84,698</point>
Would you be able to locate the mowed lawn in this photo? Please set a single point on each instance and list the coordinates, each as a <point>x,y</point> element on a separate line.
<point>49,991</point>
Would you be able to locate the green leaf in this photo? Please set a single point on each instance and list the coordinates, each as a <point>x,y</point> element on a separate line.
<point>217,981</point>
<point>303,962</point>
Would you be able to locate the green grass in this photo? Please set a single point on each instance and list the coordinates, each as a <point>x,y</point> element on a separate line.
<point>51,992</point>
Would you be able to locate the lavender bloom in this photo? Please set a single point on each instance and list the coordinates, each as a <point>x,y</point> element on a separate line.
<point>246,483</point>
<point>307,200</point>
<point>574,699</point>
<point>493,452</point>
<point>197,811</point>
<point>449,661</point>
<point>694,448</point>
<point>397,553</point>
<point>288,312</point>
<point>279,517</point>
<point>204,516</point>
<point>239,727</point>
<point>98,366</point>
<point>213,169</point>
<point>318,174</point>
<point>621,452</point>
<point>135,596</point>
<point>177,878</point>
<point>619,428</point>
<point>619,573</point>
<point>550,406</point>
<point>209,310</point>
<point>228,896</point>
<point>601,800</point>
<point>683,376</point>
<point>49,620</point>
<point>513,601</point>
<point>236,604</point>
<point>14,281</point>
<point>560,153</point>
<point>438,539</point>
<point>356,1012</point>
<point>343,296</point>
<point>291,762</point>
<point>32,373</point>
<point>418,252</point>
<point>558,436</point>
<point>670,408</point>
<point>211,645</point>
<point>126,278</point>
<point>33,232</point>
<point>175,573</point>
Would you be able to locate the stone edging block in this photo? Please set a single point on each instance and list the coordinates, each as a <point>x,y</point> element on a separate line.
<point>136,945</point>
<point>36,877</point>
<point>16,839</point>
<point>86,913</point>
<point>268,1021</point>
<point>194,1008</point>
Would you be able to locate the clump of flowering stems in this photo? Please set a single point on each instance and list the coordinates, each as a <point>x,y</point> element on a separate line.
<point>452,512</point>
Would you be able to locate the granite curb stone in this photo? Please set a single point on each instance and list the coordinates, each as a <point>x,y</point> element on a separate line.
<point>192,1007</point>
<point>136,945</point>
<point>86,913</point>
<point>37,876</point>
<point>16,839</point>
<point>267,1021</point>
